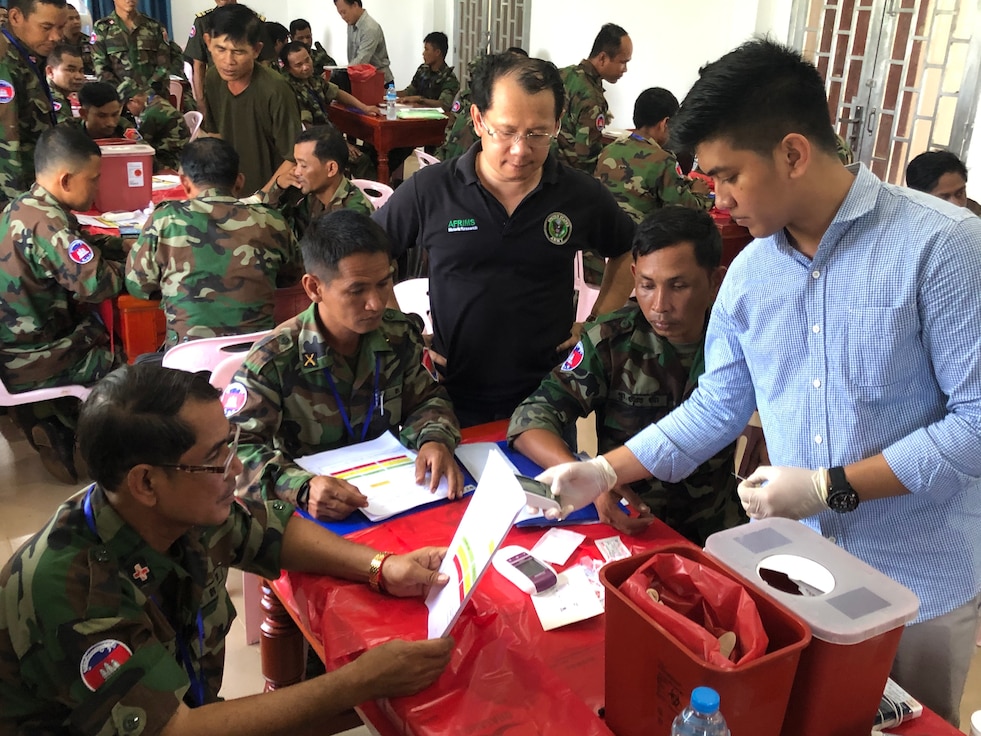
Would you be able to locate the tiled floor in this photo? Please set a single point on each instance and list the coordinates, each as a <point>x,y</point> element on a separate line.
<point>28,497</point>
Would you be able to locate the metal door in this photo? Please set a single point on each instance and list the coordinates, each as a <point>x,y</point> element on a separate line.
<point>486,26</point>
<point>902,75</point>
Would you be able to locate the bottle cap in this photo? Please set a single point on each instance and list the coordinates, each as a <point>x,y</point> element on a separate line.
<point>705,700</point>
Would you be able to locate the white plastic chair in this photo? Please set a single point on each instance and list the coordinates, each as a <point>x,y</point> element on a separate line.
<point>42,394</point>
<point>194,118</point>
<point>424,159</point>
<point>413,298</point>
<point>206,353</point>
<point>587,292</point>
<point>376,192</point>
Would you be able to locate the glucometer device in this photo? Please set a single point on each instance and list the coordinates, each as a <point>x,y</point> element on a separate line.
<point>538,494</point>
<point>529,574</point>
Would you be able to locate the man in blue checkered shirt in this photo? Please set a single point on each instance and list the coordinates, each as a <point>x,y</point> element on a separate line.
<point>853,324</point>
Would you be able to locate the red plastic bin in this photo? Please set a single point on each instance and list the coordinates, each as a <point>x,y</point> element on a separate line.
<point>650,674</point>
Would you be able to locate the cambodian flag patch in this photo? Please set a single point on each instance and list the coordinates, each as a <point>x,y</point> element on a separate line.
<point>6,91</point>
<point>456,106</point>
<point>101,661</point>
<point>574,359</point>
<point>600,121</point>
<point>233,398</point>
<point>80,252</point>
<point>429,365</point>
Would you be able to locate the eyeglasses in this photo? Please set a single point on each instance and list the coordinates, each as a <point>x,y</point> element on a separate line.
<point>534,140</point>
<point>223,469</point>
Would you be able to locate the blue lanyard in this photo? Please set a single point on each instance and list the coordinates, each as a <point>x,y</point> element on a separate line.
<point>196,678</point>
<point>32,65</point>
<point>371,407</point>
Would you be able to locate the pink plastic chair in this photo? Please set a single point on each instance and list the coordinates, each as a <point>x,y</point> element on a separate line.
<point>376,192</point>
<point>424,159</point>
<point>42,394</point>
<point>206,353</point>
<point>221,376</point>
<point>587,292</point>
<point>413,298</point>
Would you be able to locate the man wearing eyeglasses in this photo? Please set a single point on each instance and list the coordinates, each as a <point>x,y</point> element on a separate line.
<point>501,225</point>
<point>113,617</point>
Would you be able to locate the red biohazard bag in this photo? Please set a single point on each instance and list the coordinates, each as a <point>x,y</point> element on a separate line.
<point>697,605</point>
<point>361,72</point>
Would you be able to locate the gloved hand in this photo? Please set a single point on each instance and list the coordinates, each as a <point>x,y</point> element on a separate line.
<point>578,484</point>
<point>793,493</point>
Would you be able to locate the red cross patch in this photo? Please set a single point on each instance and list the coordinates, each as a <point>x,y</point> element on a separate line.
<point>141,572</point>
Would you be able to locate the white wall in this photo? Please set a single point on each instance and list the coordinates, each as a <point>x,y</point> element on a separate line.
<point>670,43</point>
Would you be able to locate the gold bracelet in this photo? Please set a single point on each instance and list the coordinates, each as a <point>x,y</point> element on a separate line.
<point>375,569</point>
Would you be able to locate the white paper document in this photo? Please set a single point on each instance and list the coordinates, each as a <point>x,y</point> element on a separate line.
<point>573,599</point>
<point>488,519</point>
<point>383,470</point>
<point>557,545</point>
<point>474,457</point>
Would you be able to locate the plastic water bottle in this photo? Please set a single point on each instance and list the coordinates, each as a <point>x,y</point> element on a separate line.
<point>390,112</point>
<point>702,716</point>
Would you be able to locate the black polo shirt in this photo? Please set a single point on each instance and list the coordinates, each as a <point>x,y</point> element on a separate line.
<point>501,287</point>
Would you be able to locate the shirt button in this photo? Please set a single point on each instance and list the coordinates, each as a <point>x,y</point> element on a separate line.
<point>832,539</point>
<point>815,274</point>
<point>279,505</point>
<point>816,328</point>
<point>102,555</point>
<point>818,439</point>
<point>816,383</point>
<point>131,723</point>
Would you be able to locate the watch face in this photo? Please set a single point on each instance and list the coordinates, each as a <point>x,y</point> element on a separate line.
<point>843,501</point>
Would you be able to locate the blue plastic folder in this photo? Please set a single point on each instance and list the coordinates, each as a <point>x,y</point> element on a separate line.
<point>358,521</point>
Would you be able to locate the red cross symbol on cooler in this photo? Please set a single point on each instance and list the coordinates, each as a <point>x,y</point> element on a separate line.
<point>141,572</point>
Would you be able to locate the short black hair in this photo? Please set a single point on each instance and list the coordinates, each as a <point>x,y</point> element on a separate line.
<point>653,105</point>
<point>131,418</point>
<point>64,145</point>
<point>97,94</point>
<point>438,40</point>
<point>291,48</point>
<point>61,50</point>
<point>27,7</point>
<point>533,75</point>
<point>336,235</point>
<point>210,161</point>
<point>924,171</point>
<point>329,144</point>
<point>753,97</point>
<point>608,40</point>
<point>515,50</point>
<point>277,31</point>
<point>300,24</point>
<point>238,22</point>
<point>667,226</point>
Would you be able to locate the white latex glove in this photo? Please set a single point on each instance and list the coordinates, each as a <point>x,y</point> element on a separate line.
<point>578,484</point>
<point>793,493</point>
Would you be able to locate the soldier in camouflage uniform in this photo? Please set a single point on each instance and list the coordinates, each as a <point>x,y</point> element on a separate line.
<point>580,137</point>
<point>343,371</point>
<point>215,261</point>
<point>301,31</point>
<point>50,269</point>
<point>101,113</point>
<point>131,51</point>
<point>643,176</point>
<point>160,125</point>
<point>317,184</point>
<point>313,93</point>
<point>65,78</point>
<point>75,37</point>
<point>434,84</point>
<point>635,365</point>
<point>113,617</point>
<point>26,111</point>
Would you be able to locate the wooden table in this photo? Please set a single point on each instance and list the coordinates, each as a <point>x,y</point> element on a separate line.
<point>386,134</point>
